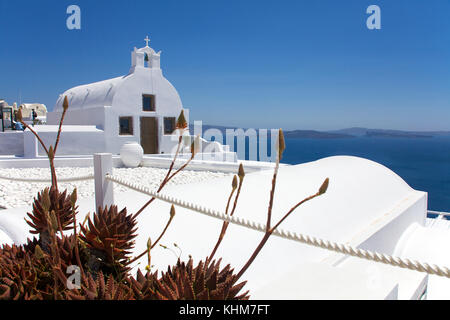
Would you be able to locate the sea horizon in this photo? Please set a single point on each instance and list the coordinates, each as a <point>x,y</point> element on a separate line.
<point>423,163</point>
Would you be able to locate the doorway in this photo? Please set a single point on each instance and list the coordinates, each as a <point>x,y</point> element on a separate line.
<point>149,135</point>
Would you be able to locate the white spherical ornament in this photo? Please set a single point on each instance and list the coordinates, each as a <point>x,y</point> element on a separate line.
<point>131,154</point>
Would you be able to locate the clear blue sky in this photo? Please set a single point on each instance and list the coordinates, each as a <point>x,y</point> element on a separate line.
<point>291,64</point>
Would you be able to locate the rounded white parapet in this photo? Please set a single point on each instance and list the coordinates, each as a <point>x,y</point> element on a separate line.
<point>5,239</point>
<point>429,244</point>
<point>366,203</point>
<point>360,192</point>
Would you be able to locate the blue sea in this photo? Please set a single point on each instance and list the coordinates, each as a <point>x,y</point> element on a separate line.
<point>424,163</point>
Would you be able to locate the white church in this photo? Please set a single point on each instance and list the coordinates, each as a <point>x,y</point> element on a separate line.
<point>141,106</point>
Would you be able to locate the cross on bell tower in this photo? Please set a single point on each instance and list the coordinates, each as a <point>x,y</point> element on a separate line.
<point>147,40</point>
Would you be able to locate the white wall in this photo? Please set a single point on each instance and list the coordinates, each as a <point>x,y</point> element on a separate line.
<point>92,116</point>
<point>11,142</point>
<point>85,141</point>
<point>75,143</point>
<point>412,210</point>
<point>126,100</point>
<point>128,95</point>
<point>114,141</point>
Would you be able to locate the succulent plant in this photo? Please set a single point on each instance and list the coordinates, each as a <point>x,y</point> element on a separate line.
<point>48,201</point>
<point>183,281</point>
<point>143,286</point>
<point>66,251</point>
<point>99,289</point>
<point>109,237</point>
<point>25,273</point>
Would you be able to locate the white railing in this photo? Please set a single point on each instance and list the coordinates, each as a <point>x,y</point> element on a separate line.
<point>103,190</point>
<point>43,180</point>
<point>440,214</point>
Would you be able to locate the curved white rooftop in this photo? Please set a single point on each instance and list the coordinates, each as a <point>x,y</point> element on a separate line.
<point>91,95</point>
<point>361,197</point>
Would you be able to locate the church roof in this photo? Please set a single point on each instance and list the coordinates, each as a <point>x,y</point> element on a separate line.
<point>97,94</point>
<point>145,71</point>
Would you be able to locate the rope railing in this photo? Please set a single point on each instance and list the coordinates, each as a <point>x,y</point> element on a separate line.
<point>80,178</point>
<point>439,213</point>
<point>305,239</point>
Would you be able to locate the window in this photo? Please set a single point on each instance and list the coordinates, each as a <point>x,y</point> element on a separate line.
<point>146,61</point>
<point>125,125</point>
<point>148,102</point>
<point>169,125</point>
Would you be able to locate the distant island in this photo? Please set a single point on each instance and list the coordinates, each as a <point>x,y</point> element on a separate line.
<point>345,133</point>
<point>300,134</point>
<point>313,134</point>
<point>388,133</point>
<point>385,134</point>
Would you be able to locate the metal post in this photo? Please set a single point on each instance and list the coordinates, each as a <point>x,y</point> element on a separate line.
<point>104,193</point>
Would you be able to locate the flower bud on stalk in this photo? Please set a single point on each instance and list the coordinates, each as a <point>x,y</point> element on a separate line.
<point>195,146</point>
<point>181,121</point>
<point>51,153</point>
<point>281,144</point>
<point>149,257</point>
<point>241,172</point>
<point>234,183</point>
<point>323,188</point>
<point>65,103</point>
<point>73,197</point>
